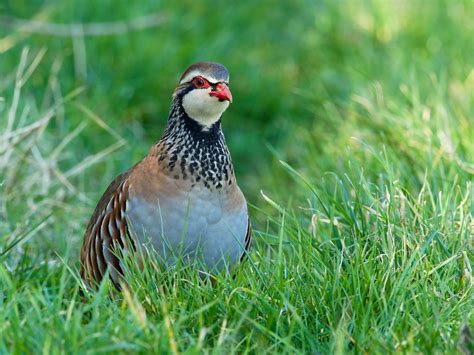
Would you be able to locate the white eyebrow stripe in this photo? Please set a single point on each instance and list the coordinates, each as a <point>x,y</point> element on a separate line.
<point>195,73</point>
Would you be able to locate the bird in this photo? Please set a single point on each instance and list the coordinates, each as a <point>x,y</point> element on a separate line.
<point>181,200</point>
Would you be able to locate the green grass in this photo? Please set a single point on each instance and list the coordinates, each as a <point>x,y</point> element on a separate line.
<point>352,133</point>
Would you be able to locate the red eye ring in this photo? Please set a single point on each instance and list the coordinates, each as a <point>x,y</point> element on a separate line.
<point>200,83</point>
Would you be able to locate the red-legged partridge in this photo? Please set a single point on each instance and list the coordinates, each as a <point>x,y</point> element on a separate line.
<point>182,199</point>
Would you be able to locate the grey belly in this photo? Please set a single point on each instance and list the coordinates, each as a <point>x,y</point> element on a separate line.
<point>193,227</point>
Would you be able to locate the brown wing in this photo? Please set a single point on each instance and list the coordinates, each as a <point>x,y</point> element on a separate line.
<point>107,235</point>
<point>248,240</point>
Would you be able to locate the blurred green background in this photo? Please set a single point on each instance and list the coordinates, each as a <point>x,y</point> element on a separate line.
<point>371,101</point>
<point>317,84</point>
<point>288,61</point>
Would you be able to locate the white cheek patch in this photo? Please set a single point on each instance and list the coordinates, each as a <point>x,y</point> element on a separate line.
<point>202,107</point>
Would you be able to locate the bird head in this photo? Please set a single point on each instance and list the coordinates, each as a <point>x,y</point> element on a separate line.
<point>204,92</point>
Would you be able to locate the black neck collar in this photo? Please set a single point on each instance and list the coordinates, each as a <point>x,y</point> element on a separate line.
<point>179,121</point>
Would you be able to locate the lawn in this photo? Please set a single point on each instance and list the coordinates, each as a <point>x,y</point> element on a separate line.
<point>352,136</point>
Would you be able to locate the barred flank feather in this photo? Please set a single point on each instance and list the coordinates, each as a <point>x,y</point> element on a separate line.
<point>107,235</point>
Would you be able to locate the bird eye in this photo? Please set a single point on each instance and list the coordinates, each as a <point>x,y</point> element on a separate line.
<point>200,83</point>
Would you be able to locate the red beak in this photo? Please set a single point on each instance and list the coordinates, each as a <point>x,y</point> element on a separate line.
<point>222,92</point>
